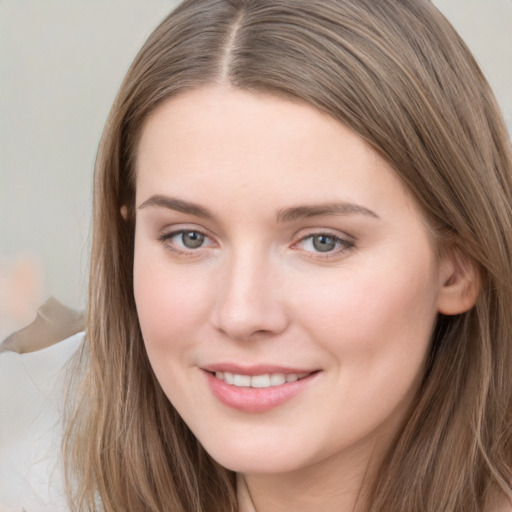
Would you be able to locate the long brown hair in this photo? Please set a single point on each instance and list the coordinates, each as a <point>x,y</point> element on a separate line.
<point>397,74</point>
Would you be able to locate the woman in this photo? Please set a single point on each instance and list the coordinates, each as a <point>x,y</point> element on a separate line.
<point>300,280</point>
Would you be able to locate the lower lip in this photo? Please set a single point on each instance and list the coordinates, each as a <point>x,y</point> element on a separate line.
<point>256,400</point>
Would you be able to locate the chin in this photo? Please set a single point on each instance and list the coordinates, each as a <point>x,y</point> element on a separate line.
<point>264,456</point>
<point>248,464</point>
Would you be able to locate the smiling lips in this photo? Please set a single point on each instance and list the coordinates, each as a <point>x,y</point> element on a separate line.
<point>255,391</point>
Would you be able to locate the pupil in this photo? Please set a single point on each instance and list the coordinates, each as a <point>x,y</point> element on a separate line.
<point>324,243</point>
<point>192,239</point>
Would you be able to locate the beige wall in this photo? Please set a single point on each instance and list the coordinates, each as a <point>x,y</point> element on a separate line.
<point>60,64</point>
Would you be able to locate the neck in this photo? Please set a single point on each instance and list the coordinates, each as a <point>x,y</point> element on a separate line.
<point>331,486</point>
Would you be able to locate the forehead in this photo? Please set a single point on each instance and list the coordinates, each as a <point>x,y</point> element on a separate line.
<point>224,145</point>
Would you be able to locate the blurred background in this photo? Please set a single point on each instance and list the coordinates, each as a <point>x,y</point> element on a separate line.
<point>61,62</point>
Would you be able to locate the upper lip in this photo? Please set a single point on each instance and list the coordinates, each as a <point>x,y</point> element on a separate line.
<point>260,369</point>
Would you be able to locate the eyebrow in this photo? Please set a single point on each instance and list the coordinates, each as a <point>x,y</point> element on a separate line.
<point>178,205</point>
<point>320,210</point>
<point>285,215</point>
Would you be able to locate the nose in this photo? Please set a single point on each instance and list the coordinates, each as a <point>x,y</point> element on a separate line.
<point>251,300</point>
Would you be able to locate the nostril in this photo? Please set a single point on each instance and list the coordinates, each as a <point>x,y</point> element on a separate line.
<point>247,305</point>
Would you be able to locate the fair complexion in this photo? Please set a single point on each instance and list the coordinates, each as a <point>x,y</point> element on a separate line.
<point>274,244</point>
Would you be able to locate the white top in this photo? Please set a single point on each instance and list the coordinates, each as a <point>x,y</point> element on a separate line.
<point>31,404</point>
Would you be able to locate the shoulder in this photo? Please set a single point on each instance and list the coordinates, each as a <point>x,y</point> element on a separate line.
<point>32,391</point>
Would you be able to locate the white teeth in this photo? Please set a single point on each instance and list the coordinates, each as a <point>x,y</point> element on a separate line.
<point>277,379</point>
<point>242,380</point>
<point>259,381</point>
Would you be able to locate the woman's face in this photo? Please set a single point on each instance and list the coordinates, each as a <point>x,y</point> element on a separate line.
<point>285,281</point>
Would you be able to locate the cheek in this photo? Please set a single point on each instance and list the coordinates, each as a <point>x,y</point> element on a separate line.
<point>171,319</point>
<point>377,331</point>
<point>167,301</point>
<point>387,312</point>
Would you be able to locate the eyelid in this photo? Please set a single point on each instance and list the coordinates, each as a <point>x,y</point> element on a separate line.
<point>166,235</point>
<point>347,242</point>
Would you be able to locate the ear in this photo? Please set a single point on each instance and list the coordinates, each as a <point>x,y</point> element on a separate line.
<point>124,212</point>
<point>460,284</point>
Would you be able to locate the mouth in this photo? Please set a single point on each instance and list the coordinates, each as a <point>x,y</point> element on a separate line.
<point>265,380</point>
<point>258,390</point>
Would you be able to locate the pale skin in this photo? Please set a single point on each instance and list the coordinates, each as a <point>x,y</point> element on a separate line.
<point>268,234</point>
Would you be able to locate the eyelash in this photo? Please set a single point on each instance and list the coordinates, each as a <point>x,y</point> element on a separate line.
<point>343,245</point>
<point>167,237</point>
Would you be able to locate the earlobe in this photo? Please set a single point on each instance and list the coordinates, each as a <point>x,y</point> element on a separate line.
<point>460,285</point>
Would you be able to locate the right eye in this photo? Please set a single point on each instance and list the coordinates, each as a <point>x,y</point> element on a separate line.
<point>186,240</point>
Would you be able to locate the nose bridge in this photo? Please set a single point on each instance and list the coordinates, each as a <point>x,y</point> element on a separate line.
<point>249,299</point>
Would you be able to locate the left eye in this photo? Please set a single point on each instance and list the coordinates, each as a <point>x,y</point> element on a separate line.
<point>324,243</point>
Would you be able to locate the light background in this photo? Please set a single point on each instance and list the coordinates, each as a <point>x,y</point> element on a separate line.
<point>61,62</point>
